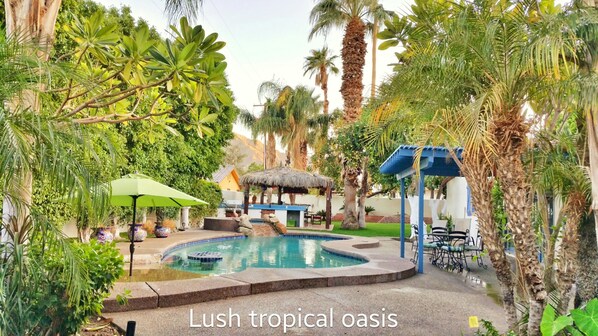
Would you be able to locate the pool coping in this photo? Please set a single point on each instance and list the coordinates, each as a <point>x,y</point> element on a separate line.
<point>380,267</point>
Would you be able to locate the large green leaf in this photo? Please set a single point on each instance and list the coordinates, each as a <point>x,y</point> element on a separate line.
<point>551,326</point>
<point>587,320</point>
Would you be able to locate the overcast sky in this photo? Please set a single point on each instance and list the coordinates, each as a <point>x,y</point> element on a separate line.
<point>267,39</point>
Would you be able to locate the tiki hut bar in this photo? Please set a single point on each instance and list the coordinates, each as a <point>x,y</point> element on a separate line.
<point>290,181</point>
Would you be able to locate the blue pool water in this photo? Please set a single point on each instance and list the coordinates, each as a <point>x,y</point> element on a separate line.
<point>268,252</point>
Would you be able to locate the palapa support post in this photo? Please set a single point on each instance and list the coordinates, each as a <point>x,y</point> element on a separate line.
<point>132,235</point>
<point>328,207</point>
<point>279,195</point>
<point>246,199</point>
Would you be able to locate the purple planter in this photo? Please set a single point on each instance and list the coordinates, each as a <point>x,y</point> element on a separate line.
<point>139,233</point>
<point>104,236</point>
<point>161,231</point>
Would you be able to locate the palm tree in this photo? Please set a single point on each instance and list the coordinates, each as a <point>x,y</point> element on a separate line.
<point>298,110</point>
<point>487,63</point>
<point>271,123</point>
<point>319,63</point>
<point>301,108</point>
<point>349,15</point>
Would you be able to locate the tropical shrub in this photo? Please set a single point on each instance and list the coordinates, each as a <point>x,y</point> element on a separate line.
<point>369,209</point>
<point>50,285</point>
<point>209,192</point>
<point>169,223</point>
<point>581,321</point>
<point>149,226</point>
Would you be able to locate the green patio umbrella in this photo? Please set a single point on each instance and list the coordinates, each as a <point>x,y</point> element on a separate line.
<point>138,190</point>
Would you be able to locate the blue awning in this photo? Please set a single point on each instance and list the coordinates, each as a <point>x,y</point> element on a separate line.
<point>435,161</point>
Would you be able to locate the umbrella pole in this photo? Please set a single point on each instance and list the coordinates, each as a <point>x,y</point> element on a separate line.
<point>132,235</point>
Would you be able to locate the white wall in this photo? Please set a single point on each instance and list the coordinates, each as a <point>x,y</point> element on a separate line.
<point>383,205</point>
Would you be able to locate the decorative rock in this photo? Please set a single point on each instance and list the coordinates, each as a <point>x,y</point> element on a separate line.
<point>273,219</point>
<point>282,229</point>
<point>247,232</point>
<point>244,221</point>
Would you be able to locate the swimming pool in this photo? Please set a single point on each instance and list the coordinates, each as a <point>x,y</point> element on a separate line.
<point>259,252</point>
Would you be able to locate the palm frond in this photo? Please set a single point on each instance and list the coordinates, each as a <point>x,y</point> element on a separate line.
<point>176,9</point>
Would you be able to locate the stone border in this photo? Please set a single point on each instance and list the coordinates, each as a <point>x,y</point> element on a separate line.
<point>381,267</point>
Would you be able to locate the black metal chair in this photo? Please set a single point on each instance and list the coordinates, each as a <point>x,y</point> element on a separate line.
<point>452,252</point>
<point>430,246</point>
<point>474,249</point>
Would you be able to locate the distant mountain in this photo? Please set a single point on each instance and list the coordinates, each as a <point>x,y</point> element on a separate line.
<point>246,151</point>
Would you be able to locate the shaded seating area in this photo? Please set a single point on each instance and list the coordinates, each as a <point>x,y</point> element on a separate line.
<point>291,181</point>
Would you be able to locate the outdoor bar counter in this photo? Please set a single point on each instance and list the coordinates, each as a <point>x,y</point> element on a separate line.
<point>286,213</point>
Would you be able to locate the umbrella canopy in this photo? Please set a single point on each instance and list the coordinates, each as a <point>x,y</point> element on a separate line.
<point>149,193</point>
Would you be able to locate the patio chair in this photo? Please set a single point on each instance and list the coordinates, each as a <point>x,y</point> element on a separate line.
<point>474,249</point>
<point>430,246</point>
<point>452,253</point>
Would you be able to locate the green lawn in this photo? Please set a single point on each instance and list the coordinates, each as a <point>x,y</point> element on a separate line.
<point>373,230</point>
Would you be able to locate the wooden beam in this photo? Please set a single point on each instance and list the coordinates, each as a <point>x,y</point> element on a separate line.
<point>246,199</point>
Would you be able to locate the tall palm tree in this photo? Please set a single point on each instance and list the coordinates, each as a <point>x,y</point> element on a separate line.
<point>319,63</point>
<point>350,15</point>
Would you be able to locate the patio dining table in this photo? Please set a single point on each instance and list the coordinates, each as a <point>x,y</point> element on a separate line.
<point>449,250</point>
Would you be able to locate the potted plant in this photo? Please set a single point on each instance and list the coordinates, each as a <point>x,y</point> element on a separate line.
<point>139,234</point>
<point>160,231</point>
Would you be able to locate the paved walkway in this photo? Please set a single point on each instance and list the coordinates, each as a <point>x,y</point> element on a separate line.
<point>435,303</point>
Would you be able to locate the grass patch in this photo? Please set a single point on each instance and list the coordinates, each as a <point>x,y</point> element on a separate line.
<point>372,230</point>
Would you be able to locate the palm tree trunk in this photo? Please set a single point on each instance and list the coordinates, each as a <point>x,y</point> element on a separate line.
<point>302,157</point>
<point>363,192</point>
<point>548,239</point>
<point>353,55</point>
<point>351,183</point>
<point>477,174</point>
<point>567,263</point>
<point>510,135</point>
<point>271,151</point>
<point>31,20</point>
<point>324,87</point>
<point>592,127</point>
<point>374,46</point>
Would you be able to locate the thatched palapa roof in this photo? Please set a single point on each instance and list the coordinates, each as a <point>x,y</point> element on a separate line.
<point>286,177</point>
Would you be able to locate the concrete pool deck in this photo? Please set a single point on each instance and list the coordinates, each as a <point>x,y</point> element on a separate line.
<point>382,266</point>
